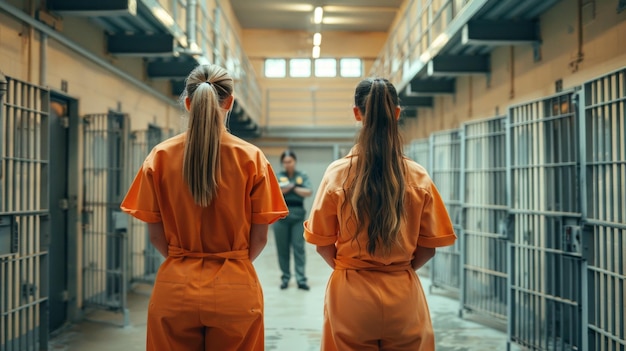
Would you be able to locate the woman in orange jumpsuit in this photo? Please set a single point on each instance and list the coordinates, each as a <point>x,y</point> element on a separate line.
<point>377,218</point>
<point>208,198</point>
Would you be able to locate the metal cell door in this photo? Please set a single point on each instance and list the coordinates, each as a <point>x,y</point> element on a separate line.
<point>603,135</point>
<point>484,254</point>
<point>24,217</point>
<point>419,152</point>
<point>105,240</point>
<point>545,257</point>
<point>59,205</point>
<point>145,260</point>
<point>445,170</point>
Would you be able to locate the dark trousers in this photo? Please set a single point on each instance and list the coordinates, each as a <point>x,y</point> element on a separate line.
<point>288,233</point>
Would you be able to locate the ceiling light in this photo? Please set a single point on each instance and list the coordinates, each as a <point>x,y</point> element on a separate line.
<point>317,39</point>
<point>316,52</point>
<point>318,14</point>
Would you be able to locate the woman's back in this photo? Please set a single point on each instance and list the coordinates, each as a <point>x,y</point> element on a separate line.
<point>224,225</point>
<point>418,192</point>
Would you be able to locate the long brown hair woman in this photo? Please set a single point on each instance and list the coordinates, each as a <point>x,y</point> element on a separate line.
<point>208,198</point>
<point>377,218</point>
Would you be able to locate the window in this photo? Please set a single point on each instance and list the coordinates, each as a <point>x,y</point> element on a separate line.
<point>275,68</point>
<point>300,68</point>
<point>326,67</point>
<point>351,67</point>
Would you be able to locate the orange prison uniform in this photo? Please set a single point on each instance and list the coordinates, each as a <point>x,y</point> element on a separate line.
<point>376,302</point>
<point>207,295</point>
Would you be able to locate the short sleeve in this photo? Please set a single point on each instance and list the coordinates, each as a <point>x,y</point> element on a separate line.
<point>435,226</point>
<point>268,203</point>
<point>306,182</point>
<point>141,200</point>
<point>323,225</point>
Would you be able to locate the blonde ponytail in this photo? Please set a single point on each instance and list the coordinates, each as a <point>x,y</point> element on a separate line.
<point>207,87</point>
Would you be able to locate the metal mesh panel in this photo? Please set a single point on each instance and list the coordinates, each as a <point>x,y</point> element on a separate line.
<point>545,264</point>
<point>445,148</point>
<point>24,218</point>
<point>419,152</point>
<point>144,258</point>
<point>104,226</point>
<point>484,252</point>
<point>604,164</point>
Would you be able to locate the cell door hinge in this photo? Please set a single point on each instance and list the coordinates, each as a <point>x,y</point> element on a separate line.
<point>64,204</point>
<point>65,122</point>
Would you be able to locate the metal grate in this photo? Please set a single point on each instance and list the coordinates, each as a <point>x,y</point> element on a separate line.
<point>484,254</point>
<point>604,165</point>
<point>144,260</point>
<point>419,152</point>
<point>24,217</point>
<point>445,170</point>
<point>545,269</point>
<point>105,241</point>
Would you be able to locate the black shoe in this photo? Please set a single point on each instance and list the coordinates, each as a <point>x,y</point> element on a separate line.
<point>284,285</point>
<point>304,286</point>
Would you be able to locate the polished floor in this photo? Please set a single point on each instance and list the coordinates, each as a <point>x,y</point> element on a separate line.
<point>293,317</point>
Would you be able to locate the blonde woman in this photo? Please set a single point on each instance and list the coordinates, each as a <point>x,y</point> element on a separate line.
<point>377,218</point>
<point>208,198</point>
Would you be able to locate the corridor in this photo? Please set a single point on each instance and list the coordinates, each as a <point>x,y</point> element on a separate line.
<point>293,317</point>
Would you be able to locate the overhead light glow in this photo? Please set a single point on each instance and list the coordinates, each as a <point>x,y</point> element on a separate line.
<point>316,52</point>
<point>317,39</point>
<point>318,14</point>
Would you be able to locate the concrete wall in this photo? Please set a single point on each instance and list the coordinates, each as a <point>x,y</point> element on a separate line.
<point>332,95</point>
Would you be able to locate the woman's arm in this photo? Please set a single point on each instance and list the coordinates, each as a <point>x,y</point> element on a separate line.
<point>258,240</point>
<point>304,192</point>
<point>157,237</point>
<point>422,255</point>
<point>328,253</point>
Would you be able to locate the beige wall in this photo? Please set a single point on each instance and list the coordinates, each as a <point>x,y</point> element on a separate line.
<point>604,48</point>
<point>294,98</point>
<point>97,89</point>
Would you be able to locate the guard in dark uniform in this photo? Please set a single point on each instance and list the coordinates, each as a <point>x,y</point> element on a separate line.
<point>295,186</point>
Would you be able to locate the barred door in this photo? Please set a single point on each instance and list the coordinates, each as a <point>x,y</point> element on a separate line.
<point>105,241</point>
<point>545,259</point>
<point>24,217</point>
<point>603,134</point>
<point>145,260</point>
<point>445,170</point>
<point>484,254</point>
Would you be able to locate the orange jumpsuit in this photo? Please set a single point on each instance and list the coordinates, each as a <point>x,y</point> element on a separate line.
<point>376,302</point>
<point>206,295</point>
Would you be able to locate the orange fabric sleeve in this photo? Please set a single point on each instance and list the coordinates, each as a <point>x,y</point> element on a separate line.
<point>323,225</point>
<point>141,201</point>
<point>268,203</point>
<point>435,226</point>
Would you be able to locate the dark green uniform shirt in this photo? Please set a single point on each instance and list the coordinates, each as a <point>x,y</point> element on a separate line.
<point>294,201</point>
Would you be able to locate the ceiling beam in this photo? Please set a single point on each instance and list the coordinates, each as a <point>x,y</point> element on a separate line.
<point>93,7</point>
<point>484,32</point>
<point>171,69</point>
<point>141,44</point>
<point>425,87</point>
<point>412,102</point>
<point>451,65</point>
<point>178,85</point>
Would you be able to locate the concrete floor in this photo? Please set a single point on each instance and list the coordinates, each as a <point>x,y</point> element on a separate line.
<point>293,318</point>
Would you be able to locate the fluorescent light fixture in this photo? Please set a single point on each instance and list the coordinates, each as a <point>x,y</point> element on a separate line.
<point>318,14</point>
<point>316,52</point>
<point>317,39</point>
